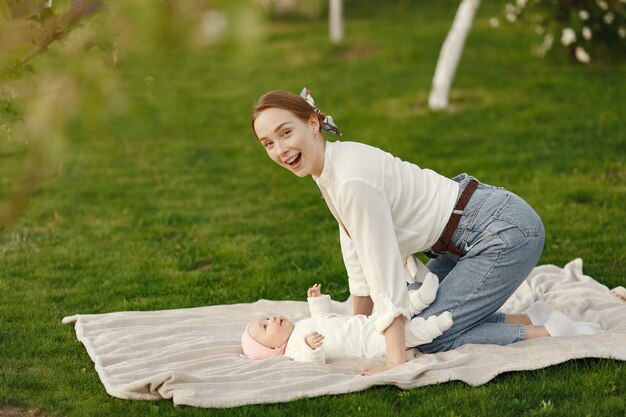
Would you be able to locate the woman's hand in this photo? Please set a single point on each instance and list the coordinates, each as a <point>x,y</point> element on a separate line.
<point>314,340</point>
<point>314,291</point>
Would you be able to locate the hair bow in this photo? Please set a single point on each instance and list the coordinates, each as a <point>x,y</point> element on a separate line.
<point>327,124</point>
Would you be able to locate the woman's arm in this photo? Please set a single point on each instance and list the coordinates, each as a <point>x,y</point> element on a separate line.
<point>369,220</point>
<point>396,345</point>
<point>394,338</point>
<point>356,279</point>
<point>362,305</point>
<point>367,215</point>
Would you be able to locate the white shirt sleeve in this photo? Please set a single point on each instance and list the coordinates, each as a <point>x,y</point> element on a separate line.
<point>367,215</point>
<point>356,279</point>
<point>319,306</point>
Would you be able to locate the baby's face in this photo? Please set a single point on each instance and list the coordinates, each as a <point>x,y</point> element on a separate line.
<point>271,331</point>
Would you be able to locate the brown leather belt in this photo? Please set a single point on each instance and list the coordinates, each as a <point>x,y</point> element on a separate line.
<point>444,244</point>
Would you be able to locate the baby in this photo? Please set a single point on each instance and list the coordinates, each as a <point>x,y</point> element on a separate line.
<point>327,336</point>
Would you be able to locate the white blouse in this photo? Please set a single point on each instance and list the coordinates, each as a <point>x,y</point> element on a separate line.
<point>387,210</point>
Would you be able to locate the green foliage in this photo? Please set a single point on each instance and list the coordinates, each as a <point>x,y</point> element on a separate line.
<point>585,28</point>
<point>156,195</point>
<point>8,114</point>
<point>5,10</point>
<point>43,16</point>
<point>61,6</point>
<point>16,69</point>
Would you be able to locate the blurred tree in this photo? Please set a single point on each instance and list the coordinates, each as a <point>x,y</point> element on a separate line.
<point>450,55</point>
<point>336,21</point>
<point>58,72</point>
<point>584,28</point>
<point>37,122</point>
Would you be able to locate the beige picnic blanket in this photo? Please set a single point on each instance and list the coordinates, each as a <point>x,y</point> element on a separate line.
<point>193,355</point>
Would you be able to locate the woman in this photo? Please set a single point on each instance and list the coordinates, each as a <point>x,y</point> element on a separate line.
<point>483,240</point>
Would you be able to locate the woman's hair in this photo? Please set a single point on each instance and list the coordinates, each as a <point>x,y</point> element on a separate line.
<point>286,100</point>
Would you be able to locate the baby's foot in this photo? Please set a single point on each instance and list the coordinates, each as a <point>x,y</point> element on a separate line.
<point>444,321</point>
<point>539,312</point>
<point>438,324</point>
<point>558,324</point>
<point>421,330</point>
<point>424,295</point>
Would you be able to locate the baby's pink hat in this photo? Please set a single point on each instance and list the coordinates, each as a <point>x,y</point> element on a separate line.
<point>255,350</point>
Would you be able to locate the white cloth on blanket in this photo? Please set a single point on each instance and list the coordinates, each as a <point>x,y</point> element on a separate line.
<point>193,355</point>
<point>348,336</point>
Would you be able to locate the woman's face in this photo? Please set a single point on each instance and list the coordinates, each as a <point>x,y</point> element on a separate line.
<point>290,142</point>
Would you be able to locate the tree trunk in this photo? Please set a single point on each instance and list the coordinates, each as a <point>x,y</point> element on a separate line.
<point>451,54</point>
<point>336,21</point>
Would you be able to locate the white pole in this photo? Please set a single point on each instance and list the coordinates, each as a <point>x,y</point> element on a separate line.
<point>450,54</point>
<point>335,17</point>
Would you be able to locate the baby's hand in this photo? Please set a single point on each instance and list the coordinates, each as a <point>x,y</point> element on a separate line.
<point>314,291</point>
<point>314,340</point>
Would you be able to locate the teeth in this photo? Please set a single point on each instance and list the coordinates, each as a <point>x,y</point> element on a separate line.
<point>293,159</point>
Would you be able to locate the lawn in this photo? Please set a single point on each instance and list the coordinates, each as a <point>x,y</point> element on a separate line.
<point>170,202</point>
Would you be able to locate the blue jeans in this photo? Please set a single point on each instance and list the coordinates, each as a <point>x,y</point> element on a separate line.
<point>502,238</point>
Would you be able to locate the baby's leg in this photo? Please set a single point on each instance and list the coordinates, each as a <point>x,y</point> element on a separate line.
<point>420,330</point>
<point>424,295</point>
<point>542,316</point>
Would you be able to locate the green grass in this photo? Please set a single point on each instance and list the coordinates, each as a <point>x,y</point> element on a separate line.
<point>172,204</point>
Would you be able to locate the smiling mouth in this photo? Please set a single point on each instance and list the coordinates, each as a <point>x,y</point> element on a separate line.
<point>293,161</point>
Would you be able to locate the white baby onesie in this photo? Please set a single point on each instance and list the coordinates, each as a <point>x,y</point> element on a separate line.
<point>349,336</point>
